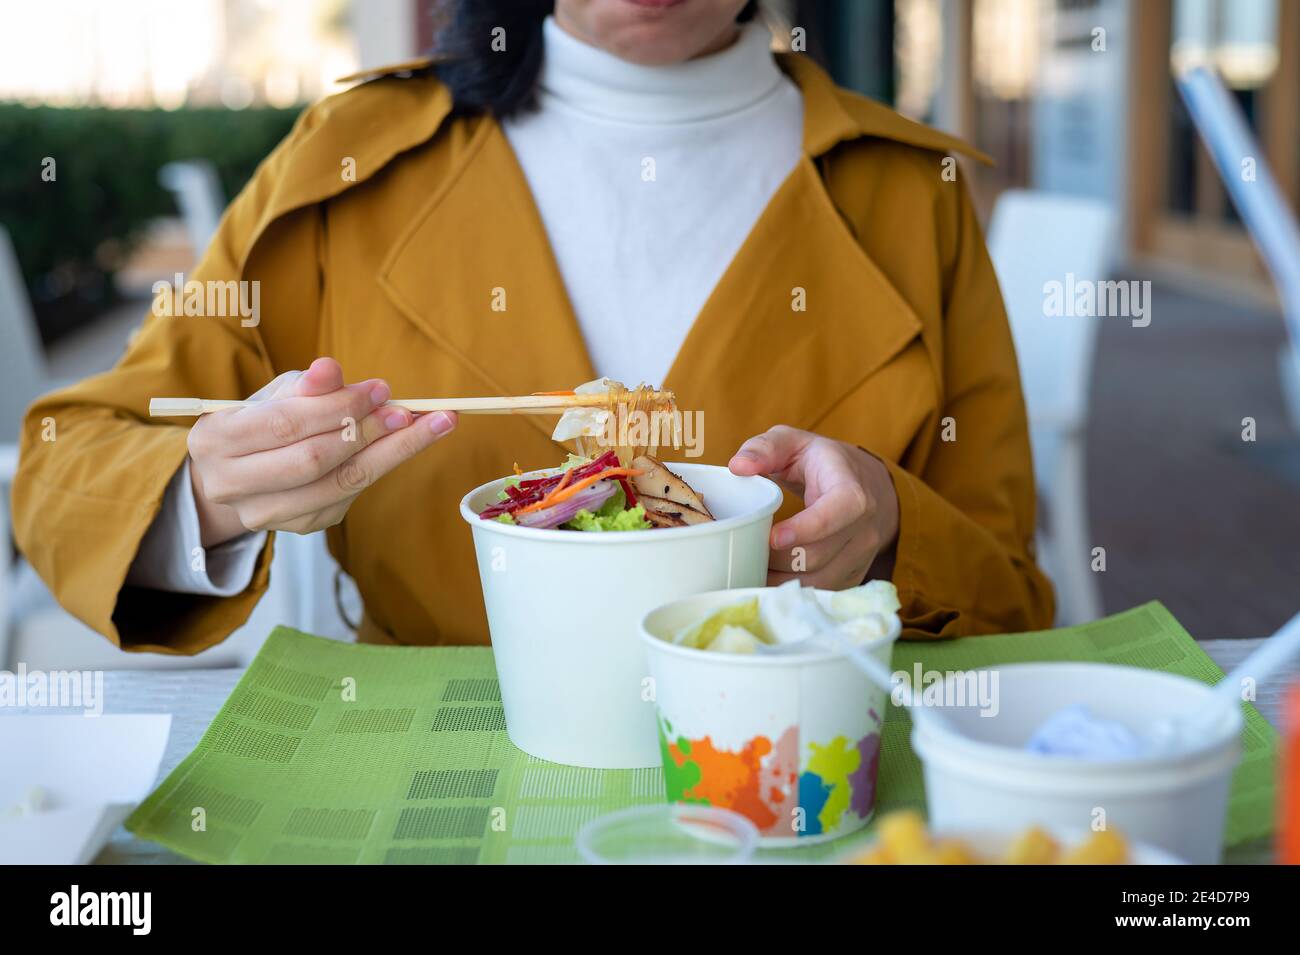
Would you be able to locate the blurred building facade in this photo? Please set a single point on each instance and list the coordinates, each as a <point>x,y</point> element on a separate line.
<point>1078,96</point>
<point>141,53</point>
<point>1074,96</point>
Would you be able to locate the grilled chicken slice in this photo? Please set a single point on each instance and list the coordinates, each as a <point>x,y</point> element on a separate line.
<point>663,520</point>
<point>662,485</point>
<point>672,513</point>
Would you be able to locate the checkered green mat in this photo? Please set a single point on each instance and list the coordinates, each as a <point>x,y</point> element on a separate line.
<point>331,752</point>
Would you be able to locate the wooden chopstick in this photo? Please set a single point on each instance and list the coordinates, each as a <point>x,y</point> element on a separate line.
<point>519,404</point>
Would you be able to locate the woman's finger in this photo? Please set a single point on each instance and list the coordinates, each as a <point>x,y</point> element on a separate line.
<point>839,506</point>
<point>846,569</point>
<point>284,421</point>
<point>364,469</point>
<point>774,452</point>
<point>300,463</point>
<point>322,376</point>
<point>351,477</point>
<point>805,558</point>
<point>775,578</point>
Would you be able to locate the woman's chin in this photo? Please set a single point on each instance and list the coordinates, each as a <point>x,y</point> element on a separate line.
<point>644,52</point>
<point>659,42</point>
<point>655,4</point>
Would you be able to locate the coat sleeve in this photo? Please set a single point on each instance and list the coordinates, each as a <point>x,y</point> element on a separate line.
<point>93,466</point>
<point>964,562</point>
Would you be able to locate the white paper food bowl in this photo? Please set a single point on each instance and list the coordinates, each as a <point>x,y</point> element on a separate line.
<point>792,741</point>
<point>564,608</point>
<point>978,775</point>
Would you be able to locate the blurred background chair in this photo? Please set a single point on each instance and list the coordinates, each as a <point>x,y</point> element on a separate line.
<point>195,187</point>
<point>23,374</point>
<point>22,377</point>
<point>33,628</point>
<point>1260,202</point>
<point>1036,238</point>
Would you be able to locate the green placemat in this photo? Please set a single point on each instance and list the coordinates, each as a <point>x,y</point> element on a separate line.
<point>332,752</point>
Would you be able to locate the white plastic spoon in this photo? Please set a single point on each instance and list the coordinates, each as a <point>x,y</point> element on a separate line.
<point>823,626</point>
<point>1273,654</point>
<point>1077,729</point>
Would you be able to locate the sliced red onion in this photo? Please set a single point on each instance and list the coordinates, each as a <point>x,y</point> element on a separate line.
<point>590,498</point>
<point>532,490</point>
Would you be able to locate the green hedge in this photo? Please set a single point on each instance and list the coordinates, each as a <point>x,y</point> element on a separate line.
<point>71,233</point>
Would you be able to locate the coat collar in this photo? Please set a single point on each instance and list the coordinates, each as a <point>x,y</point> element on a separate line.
<point>370,124</point>
<point>401,106</point>
<point>489,236</point>
<point>833,115</point>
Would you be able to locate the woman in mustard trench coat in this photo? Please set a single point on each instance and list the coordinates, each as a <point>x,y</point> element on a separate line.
<point>378,234</point>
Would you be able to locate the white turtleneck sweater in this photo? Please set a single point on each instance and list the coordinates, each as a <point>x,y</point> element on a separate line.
<point>647,179</point>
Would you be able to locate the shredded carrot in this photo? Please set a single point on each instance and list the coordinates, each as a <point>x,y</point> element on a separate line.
<point>545,499</point>
<point>552,394</point>
<point>564,482</point>
<point>518,471</point>
<point>563,493</point>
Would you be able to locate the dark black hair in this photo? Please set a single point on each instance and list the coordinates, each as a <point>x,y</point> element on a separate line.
<point>497,81</point>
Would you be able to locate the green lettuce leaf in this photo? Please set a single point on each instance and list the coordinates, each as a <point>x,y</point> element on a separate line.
<point>743,615</point>
<point>614,515</point>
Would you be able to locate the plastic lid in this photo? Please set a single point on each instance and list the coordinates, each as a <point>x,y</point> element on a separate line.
<point>668,834</point>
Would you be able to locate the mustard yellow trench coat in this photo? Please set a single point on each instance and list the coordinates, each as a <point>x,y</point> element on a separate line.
<point>379,230</point>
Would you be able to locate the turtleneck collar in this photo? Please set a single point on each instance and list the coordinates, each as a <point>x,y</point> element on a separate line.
<point>590,80</point>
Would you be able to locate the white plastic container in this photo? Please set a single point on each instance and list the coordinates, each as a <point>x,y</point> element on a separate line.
<point>978,775</point>
<point>791,741</point>
<point>564,609</point>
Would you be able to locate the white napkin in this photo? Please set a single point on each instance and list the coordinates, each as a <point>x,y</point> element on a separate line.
<point>69,781</point>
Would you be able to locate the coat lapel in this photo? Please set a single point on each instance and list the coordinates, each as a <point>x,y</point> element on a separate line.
<point>369,127</point>
<point>799,319</point>
<point>801,301</point>
<point>475,272</point>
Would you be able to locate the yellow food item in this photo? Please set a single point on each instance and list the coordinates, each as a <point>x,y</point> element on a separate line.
<point>876,855</point>
<point>949,852</point>
<point>1032,847</point>
<point>743,614</point>
<point>1106,847</point>
<point>903,836</point>
<point>902,839</point>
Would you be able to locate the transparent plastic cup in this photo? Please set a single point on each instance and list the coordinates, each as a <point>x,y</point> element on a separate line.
<point>668,834</point>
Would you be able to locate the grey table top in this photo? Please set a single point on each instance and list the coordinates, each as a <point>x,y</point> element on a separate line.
<point>193,697</point>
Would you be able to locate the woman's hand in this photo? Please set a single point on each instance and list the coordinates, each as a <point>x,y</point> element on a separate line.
<point>850,521</point>
<point>299,459</point>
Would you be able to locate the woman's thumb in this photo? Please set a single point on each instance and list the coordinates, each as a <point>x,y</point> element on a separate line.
<point>771,452</point>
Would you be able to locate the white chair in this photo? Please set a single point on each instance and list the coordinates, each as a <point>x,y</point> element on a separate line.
<point>1035,238</point>
<point>33,628</point>
<point>22,359</point>
<point>1263,207</point>
<point>22,378</point>
<point>196,188</point>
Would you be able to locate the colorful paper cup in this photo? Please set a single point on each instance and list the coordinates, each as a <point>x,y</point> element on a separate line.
<point>790,741</point>
<point>564,608</point>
